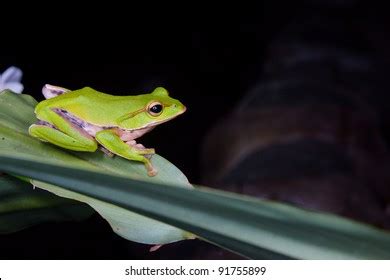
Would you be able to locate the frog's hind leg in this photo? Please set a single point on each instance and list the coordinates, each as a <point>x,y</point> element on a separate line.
<point>111,141</point>
<point>62,132</point>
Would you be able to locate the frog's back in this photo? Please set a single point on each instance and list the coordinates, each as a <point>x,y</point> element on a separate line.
<point>90,105</point>
<point>84,97</point>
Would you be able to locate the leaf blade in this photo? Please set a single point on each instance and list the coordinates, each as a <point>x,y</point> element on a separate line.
<point>218,216</point>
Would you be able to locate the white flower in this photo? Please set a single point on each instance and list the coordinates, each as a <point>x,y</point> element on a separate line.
<point>10,79</point>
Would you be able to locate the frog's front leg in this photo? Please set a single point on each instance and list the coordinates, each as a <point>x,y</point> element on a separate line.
<point>111,141</point>
<point>54,128</point>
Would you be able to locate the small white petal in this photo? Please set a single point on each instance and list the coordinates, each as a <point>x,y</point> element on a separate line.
<point>12,74</point>
<point>14,86</point>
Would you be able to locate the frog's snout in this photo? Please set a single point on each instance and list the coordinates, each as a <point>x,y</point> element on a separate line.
<point>180,108</point>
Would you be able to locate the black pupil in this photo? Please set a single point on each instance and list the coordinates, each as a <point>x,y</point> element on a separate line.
<point>157,108</point>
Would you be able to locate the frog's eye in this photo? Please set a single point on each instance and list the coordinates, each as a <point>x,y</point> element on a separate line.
<point>155,109</point>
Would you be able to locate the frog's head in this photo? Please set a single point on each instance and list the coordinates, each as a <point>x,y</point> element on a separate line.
<point>157,107</point>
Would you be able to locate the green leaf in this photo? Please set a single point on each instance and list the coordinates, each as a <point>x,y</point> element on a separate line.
<point>21,206</point>
<point>17,114</point>
<point>239,223</point>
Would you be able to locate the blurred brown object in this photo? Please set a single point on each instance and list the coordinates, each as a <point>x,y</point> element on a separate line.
<point>310,132</point>
<point>322,157</point>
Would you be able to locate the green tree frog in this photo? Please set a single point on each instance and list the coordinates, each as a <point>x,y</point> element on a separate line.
<point>86,119</point>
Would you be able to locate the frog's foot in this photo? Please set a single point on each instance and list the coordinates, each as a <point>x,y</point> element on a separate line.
<point>129,150</point>
<point>148,156</point>
<point>149,166</point>
<point>151,170</point>
<point>147,153</point>
<point>106,152</point>
<point>140,148</point>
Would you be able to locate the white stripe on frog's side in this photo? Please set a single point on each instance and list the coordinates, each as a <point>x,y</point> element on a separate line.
<point>78,123</point>
<point>50,91</point>
<point>127,136</point>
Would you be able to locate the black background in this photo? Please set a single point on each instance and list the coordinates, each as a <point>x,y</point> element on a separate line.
<point>207,57</point>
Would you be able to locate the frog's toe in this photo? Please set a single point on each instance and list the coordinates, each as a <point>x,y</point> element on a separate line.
<point>146,152</point>
<point>152,172</point>
<point>106,152</point>
<point>131,143</point>
<point>139,146</point>
<point>148,156</point>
